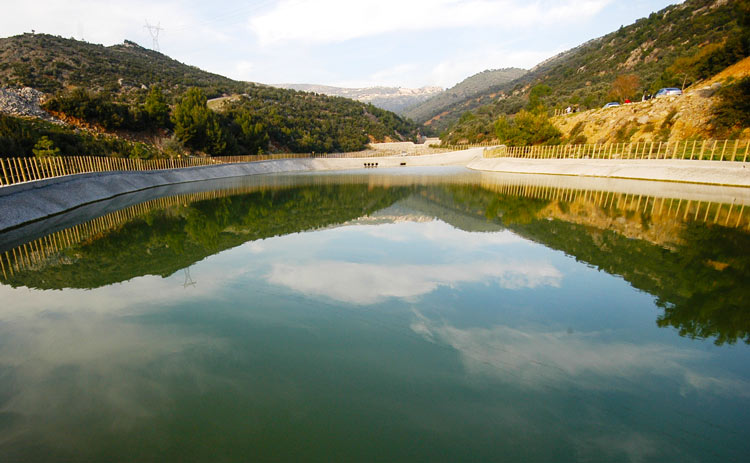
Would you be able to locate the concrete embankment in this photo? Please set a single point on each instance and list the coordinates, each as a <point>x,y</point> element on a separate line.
<point>672,170</point>
<point>30,201</point>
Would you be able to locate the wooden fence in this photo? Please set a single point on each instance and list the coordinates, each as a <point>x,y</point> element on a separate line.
<point>17,170</point>
<point>726,214</point>
<point>703,150</point>
<point>26,169</point>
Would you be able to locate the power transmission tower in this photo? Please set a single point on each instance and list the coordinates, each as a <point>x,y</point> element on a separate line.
<point>188,279</point>
<point>153,31</point>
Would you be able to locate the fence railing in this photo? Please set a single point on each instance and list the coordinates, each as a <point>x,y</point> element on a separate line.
<point>702,150</point>
<point>26,169</point>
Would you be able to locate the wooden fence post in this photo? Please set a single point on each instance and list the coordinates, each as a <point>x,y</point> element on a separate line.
<point>5,174</point>
<point>20,169</point>
<point>734,152</point>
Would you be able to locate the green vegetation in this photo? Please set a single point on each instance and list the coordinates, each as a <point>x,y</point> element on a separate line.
<point>45,148</point>
<point>305,122</point>
<point>680,44</point>
<point>25,138</point>
<point>197,126</point>
<point>485,82</point>
<point>529,126</point>
<point>699,282</point>
<point>100,108</point>
<point>732,112</point>
<point>167,240</point>
<point>50,63</point>
<point>699,298</point>
<point>143,95</point>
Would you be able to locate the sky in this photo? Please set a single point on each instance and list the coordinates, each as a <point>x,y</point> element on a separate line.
<point>348,43</point>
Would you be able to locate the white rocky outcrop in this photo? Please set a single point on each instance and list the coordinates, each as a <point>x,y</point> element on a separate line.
<point>23,102</point>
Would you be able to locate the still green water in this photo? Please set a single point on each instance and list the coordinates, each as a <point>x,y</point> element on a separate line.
<point>432,315</point>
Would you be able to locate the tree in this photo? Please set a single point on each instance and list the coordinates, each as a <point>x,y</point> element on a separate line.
<point>217,140</point>
<point>157,108</point>
<point>527,128</point>
<point>732,111</point>
<point>254,136</point>
<point>625,86</point>
<point>191,117</point>
<point>537,93</point>
<point>45,148</point>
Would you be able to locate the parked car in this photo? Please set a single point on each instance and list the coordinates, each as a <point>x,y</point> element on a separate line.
<point>611,104</point>
<point>669,91</point>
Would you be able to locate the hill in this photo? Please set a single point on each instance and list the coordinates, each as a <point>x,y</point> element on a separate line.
<point>485,82</point>
<point>51,63</point>
<point>395,99</point>
<point>128,91</point>
<point>679,45</point>
<point>669,119</point>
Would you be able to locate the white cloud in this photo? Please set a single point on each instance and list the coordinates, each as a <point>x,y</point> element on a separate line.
<point>439,232</point>
<point>244,70</point>
<point>362,284</point>
<point>327,21</point>
<point>535,358</point>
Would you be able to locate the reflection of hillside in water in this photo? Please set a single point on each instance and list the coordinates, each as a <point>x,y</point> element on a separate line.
<point>690,252</point>
<point>692,255</point>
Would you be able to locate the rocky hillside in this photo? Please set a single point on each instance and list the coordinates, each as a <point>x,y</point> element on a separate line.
<point>485,82</point>
<point>678,45</point>
<point>50,63</point>
<point>395,99</point>
<point>659,119</point>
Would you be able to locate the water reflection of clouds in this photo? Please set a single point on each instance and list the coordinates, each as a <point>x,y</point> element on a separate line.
<point>130,297</point>
<point>365,283</point>
<point>535,358</point>
<point>82,364</point>
<point>437,232</point>
<point>372,278</point>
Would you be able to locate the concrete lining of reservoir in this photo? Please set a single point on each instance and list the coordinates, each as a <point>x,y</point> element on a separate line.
<point>31,201</point>
<point>671,170</point>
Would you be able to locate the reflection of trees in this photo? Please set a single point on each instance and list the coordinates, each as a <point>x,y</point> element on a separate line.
<point>701,283</point>
<point>714,300</point>
<point>166,240</point>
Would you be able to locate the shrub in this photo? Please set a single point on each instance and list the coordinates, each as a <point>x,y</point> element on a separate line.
<point>732,111</point>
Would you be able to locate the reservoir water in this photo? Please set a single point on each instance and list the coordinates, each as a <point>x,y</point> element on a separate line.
<point>431,314</point>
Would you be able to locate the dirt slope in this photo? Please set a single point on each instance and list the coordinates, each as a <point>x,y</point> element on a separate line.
<point>662,119</point>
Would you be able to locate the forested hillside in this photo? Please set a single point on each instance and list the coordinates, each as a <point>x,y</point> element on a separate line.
<point>141,95</point>
<point>677,46</point>
<point>485,82</point>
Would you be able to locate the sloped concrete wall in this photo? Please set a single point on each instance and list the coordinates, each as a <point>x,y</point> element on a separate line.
<point>32,201</point>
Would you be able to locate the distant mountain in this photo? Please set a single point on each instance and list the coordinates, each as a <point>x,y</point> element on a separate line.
<point>394,99</point>
<point>478,84</point>
<point>678,45</point>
